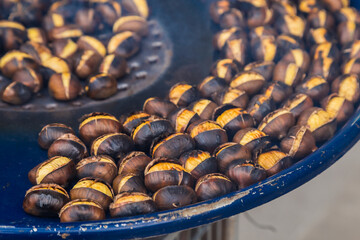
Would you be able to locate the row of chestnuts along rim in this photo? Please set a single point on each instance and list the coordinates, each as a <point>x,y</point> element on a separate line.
<point>72,47</point>
<point>275,95</point>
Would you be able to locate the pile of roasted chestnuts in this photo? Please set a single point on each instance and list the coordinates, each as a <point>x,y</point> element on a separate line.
<point>72,47</point>
<point>275,95</point>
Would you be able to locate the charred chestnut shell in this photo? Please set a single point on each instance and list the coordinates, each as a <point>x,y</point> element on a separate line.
<point>182,118</point>
<point>132,120</point>
<point>253,139</point>
<point>298,103</point>
<point>277,123</point>
<point>159,107</point>
<point>81,210</point>
<point>198,163</point>
<point>172,146</point>
<point>338,107</point>
<point>100,166</point>
<point>112,144</point>
<point>213,185</point>
<point>204,108</point>
<point>51,132</point>
<point>133,162</point>
<point>274,161</point>
<point>245,173</point>
<point>183,94</point>
<point>128,183</point>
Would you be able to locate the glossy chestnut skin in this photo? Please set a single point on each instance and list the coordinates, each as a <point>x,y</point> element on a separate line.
<point>131,204</point>
<point>253,139</point>
<point>159,107</point>
<point>211,85</point>
<point>315,87</point>
<point>298,103</point>
<point>291,25</point>
<point>109,11</point>
<point>260,106</point>
<point>39,52</point>
<point>351,51</point>
<point>81,210</point>
<point>139,8</point>
<point>152,128</point>
<point>234,119</point>
<point>124,44</point>
<point>235,47</point>
<point>171,197</point>
<point>134,162</point>
<point>319,122</point>
<point>264,49</point>
<point>87,20</point>
<point>16,93</point>
<point>277,123</point>
<point>59,170</point>
<point>91,43</point>
<point>132,120</point>
<point>113,65</point>
<point>231,18</point>
<point>172,146</point>
<point>93,189</point>
<point>52,20</point>
<point>264,68</point>
<point>86,63</point>
<point>288,73</point>
<point>135,24</point>
<point>285,43</point>
<point>29,78</point>
<point>100,166</point>
<point>51,132</point>
<point>208,135</point>
<point>222,37</point>
<point>225,69</point>
<point>351,66</point>
<point>101,86</point>
<point>68,145</point>
<point>213,185</point>
<point>298,56</point>
<point>250,81</point>
<point>274,161</point>
<point>112,144</point>
<point>347,32</point>
<point>324,51</point>
<point>228,152</point>
<point>128,183</point>
<point>162,172</point>
<point>65,49</point>
<point>318,35</point>
<point>183,94</point>
<point>45,200</point>
<point>347,86</point>
<point>321,18</point>
<point>298,143</point>
<point>95,124</point>
<point>338,107</point>
<point>326,67</point>
<point>204,108</point>
<point>65,32</point>
<point>232,96</point>
<point>182,118</point>
<point>64,86</point>
<point>53,65</point>
<point>278,91</point>
<point>245,173</point>
<point>198,163</point>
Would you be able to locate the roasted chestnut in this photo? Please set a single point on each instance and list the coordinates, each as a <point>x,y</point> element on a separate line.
<point>321,18</point>
<point>159,107</point>
<point>4,82</point>
<point>213,185</point>
<point>183,94</point>
<point>291,25</point>
<point>128,183</point>
<point>284,8</point>
<point>347,86</point>
<point>95,124</point>
<point>64,86</point>
<point>264,68</point>
<point>152,128</point>
<point>298,143</point>
<point>30,78</point>
<point>93,189</point>
<point>59,170</point>
<point>54,65</point>
<point>12,34</point>
<point>131,121</point>
<point>101,86</point>
<point>87,19</point>
<point>245,173</point>
<point>298,56</point>
<point>274,161</point>
<point>288,73</point>
<point>208,135</point>
<point>16,93</point>
<point>182,118</point>
<point>135,24</point>
<point>234,33</point>
<point>234,119</point>
<point>136,7</point>
<point>264,49</point>
<point>351,66</point>
<point>113,65</point>
<point>249,81</point>
<point>327,68</point>
<point>286,43</point>
<point>233,96</point>
<point>318,35</point>
<point>172,146</point>
<point>86,63</point>
<point>204,108</point>
<point>259,16</point>
<point>36,35</point>
<point>298,103</point>
<point>231,18</point>
<point>109,11</point>
<point>225,69</point>
<point>260,106</point>
<point>338,107</point>
<point>131,204</point>
<point>235,48</point>
<point>52,20</point>
<point>112,144</point>
<point>39,52</point>
<point>335,5</point>
<point>162,172</point>
<point>65,49</point>
<point>257,33</point>
<point>211,85</point>
<point>348,14</point>
<point>228,152</point>
<point>100,166</point>
<point>217,8</point>
<point>253,139</point>
<point>15,60</point>
<point>171,197</point>
<point>124,44</point>
<point>325,50</point>
<point>45,200</point>
<point>133,163</point>
<point>68,145</point>
<point>91,43</point>
<point>81,210</point>
<point>351,51</point>
<point>51,132</point>
<point>309,6</point>
<point>278,91</point>
<point>319,122</point>
<point>65,32</point>
<point>315,87</point>
<point>277,123</point>
<point>198,163</point>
